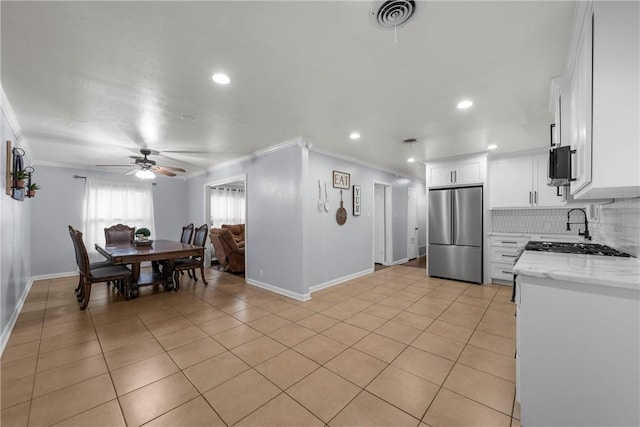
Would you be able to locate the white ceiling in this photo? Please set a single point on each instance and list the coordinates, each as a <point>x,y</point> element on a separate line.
<point>93,82</point>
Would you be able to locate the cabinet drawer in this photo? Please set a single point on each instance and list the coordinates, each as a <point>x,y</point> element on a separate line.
<point>510,242</point>
<point>504,255</point>
<point>502,271</point>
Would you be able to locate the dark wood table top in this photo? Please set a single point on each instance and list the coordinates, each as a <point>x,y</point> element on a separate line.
<point>127,253</point>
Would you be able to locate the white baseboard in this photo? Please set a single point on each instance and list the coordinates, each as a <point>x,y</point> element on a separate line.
<point>54,276</point>
<point>277,290</point>
<point>340,280</point>
<point>400,261</point>
<point>6,333</point>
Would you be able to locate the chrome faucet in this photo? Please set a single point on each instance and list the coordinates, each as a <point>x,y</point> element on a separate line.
<point>585,234</point>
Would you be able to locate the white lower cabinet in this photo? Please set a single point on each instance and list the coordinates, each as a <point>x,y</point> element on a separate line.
<point>502,254</point>
<point>578,354</point>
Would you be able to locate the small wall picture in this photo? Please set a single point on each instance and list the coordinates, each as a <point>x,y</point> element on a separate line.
<point>341,180</point>
<point>356,200</point>
<point>18,193</point>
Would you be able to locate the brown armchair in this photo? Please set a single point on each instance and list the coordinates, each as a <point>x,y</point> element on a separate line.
<point>229,254</point>
<point>237,231</point>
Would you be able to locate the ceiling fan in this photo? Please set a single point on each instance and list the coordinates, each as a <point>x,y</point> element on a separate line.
<point>146,168</point>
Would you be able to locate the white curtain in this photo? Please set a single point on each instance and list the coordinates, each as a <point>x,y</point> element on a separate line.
<point>227,206</point>
<point>110,202</point>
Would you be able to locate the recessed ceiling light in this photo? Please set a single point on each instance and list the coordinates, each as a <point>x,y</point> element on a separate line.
<point>492,147</point>
<point>221,79</point>
<point>464,104</point>
<point>354,135</point>
<point>411,160</point>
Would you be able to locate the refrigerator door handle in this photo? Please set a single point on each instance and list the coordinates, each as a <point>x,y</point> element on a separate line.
<point>454,219</point>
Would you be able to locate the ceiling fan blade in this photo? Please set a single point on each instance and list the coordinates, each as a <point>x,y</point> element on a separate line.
<point>163,171</point>
<point>185,151</point>
<point>170,168</point>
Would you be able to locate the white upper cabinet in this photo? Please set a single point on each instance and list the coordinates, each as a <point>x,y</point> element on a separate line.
<point>604,106</point>
<point>459,171</point>
<point>521,182</point>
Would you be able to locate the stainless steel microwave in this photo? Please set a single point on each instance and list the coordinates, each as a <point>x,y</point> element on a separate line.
<point>559,166</point>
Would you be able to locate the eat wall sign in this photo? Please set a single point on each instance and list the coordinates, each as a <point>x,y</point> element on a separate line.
<point>341,180</point>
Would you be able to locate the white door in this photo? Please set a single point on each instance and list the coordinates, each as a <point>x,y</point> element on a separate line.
<point>412,223</point>
<point>378,225</point>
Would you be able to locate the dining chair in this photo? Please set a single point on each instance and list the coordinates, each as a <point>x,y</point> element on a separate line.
<point>187,234</point>
<point>196,261</point>
<point>185,237</point>
<point>119,233</point>
<point>119,274</point>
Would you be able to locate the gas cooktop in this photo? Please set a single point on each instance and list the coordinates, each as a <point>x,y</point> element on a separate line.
<point>574,248</point>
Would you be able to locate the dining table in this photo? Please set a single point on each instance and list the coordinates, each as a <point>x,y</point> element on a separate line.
<point>161,253</point>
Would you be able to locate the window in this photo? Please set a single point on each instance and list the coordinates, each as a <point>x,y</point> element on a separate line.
<point>107,203</point>
<point>227,206</point>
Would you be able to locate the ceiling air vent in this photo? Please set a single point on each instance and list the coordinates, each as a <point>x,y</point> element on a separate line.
<point>392,14</point>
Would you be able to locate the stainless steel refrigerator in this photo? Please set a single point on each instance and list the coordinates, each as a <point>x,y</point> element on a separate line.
<point>455,234</point>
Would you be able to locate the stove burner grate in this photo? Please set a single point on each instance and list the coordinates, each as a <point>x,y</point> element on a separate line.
<point>574,248</point>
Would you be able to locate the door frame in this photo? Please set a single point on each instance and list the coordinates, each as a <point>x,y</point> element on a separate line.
<point>388,232</point>
<point>207,209</point>
<point>414,232</point>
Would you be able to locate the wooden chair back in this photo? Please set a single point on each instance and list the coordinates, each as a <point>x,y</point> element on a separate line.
<point>187,233</point>
<point>119,233</point>
<point>82,258</point>
<point>200,236</point>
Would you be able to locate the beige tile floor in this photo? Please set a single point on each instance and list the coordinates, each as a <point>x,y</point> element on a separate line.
<point>393,348</point>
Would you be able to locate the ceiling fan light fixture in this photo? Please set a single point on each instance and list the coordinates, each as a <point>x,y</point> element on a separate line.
<point>145,174</point>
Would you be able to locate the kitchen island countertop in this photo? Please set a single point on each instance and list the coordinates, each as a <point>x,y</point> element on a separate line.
<point>612,271</point>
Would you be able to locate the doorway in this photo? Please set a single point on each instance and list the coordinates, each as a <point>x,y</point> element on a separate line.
<point>382,240</point>
<point>225,202</point>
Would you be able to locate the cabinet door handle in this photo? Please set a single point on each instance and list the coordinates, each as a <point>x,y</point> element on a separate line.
<point>506,272</point>
<point>571,178</point>
<point>451,176</point>
<point>455,176</point>
<point>535,197</point>
<point>508,256</point>
<point>530,198</point>
<point>558,191</point>
<point>506,242</point>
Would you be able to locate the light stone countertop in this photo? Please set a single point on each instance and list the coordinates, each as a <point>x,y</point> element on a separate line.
<point>600,270</point>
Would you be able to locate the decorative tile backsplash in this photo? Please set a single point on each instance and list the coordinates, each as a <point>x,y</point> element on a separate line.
<point>618,224</point>
<point>541,221</point>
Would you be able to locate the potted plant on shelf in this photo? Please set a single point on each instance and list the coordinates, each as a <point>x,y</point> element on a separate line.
<point>31,191</point>
<point>20,177</point>
<point>143,233</point>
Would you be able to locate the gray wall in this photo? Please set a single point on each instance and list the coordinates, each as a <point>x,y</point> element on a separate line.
<point>15,243</point>
<point>59,204</point>
<point>290,245</point>
<point>274,245</point>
